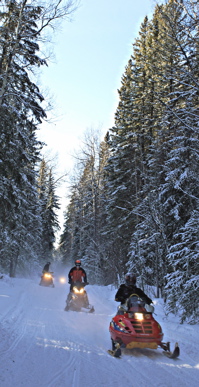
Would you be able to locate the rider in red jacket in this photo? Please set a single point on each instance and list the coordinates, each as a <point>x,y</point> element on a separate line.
<point>77,273</point>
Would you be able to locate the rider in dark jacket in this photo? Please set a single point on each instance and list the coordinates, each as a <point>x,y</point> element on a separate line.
<point>46,267</point>
<point>125,290</point>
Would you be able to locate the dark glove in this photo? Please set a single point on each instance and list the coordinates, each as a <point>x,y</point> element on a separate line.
<point>122,300</point>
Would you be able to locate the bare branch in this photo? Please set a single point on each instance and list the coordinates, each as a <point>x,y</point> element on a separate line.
<point>57,10</point>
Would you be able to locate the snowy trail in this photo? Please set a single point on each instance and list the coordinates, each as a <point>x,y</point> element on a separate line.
<point>43,346</point>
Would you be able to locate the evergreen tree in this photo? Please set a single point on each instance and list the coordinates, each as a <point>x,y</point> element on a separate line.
<point>179,193</point>
<point>21,25</point>
<point>173,158</point>
<point>118,175</point>
<point>149,242</point>
<point>49,204</point>
<point>65,244</point>
<point>52,223</point>
<point>182,282</point>
<point>130,141</point>
<point>20,112</point>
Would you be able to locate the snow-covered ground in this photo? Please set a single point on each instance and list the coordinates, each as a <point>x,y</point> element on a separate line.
<point>43,346</point>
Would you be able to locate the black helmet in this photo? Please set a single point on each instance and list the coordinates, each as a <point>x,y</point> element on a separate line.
<point>77,262</point>
<point>48,263</point>
<point>130,279</point>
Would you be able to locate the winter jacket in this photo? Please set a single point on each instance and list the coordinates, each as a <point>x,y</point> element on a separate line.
<point>125,291</point>
<point>77,275</point>
<point>46,267</point>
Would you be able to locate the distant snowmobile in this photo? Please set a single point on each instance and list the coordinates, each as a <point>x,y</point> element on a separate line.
<point>47,279</point>
<point>77,299</point>
<point>135,327</point>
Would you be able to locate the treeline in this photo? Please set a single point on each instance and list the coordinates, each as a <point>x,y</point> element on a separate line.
<point>28,202</point>
<point>135,204</point>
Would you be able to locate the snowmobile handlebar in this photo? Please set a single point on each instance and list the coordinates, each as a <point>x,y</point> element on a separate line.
<point>78,283</point>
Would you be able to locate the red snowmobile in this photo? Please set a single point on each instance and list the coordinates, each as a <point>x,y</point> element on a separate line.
<point>135,327</point>
<point>77,299</point>
<point>47,279</point>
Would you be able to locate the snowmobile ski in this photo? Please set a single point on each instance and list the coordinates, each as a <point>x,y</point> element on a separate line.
<point>115,352</point>
<point>174,354</point>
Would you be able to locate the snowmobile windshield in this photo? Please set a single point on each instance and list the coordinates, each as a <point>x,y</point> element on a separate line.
<point>135,300</point>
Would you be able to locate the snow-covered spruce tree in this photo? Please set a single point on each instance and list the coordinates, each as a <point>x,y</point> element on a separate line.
<point>173,159</point>
<point>179,193</point>
<point>21,25</point>
<point>49,203</point>
<point>149,242</point>
<point>169,40</point>
<point>20,216</point>
<point>145,248</point>
<point>134,131</point>
<point>20,112</point>
<point>148,248</point>
<point>183,281</point>
<point>70,240</point>
<point>104,245</point>
<point>51,223</point>
<point>42,196</point>
<point>65,243</point>
<point>96,257</point>
<point>120,180</point>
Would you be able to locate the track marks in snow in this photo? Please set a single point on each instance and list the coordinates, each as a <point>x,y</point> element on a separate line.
<point>44,346</point>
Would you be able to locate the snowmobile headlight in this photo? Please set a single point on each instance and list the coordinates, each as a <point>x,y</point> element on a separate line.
<point>46,275</point>
<point>62,280</point>
<point>139,316</point>
<point>75,290</point>
<point>78,291</point>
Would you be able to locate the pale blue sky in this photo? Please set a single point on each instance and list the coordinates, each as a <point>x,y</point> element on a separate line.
<point>91,53</point>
